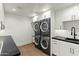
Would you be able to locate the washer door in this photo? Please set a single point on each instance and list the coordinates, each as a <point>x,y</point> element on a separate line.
<point>44,26</point>
<point>44,44</point>
<point>36,27</point>
<point>37,40</point>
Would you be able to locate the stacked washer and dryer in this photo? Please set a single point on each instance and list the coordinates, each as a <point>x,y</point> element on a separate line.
<point>42,35</point>
<point>36,27</point>
<point>45,35</point>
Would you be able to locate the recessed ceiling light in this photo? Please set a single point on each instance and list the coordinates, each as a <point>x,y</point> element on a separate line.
<point>13,9</point>
<point>34,14</point>
<point>44,9</point>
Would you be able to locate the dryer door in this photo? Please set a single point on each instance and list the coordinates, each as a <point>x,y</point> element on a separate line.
<point>44,26</point>
<point>36,27</point>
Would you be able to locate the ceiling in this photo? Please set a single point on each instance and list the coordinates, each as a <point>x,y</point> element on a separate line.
<point>28,9</point>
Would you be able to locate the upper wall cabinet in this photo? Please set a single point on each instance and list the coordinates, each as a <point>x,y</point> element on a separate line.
<point>71,13</point>
<point>76,12</point>
<point>64,14</point>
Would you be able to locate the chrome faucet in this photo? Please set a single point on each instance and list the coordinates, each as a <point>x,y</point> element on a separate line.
<point>73,32</point>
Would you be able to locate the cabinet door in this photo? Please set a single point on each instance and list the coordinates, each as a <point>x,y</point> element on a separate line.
<point>76,12</point>
<point>55,47</point>
<point>61,48</point>
<point>68,49</point>
<point>77,17</point>
<point>64,49</point>
<point>67,18</point>
<point>75,50</point>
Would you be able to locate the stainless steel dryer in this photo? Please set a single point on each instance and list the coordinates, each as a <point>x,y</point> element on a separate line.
<point>45,44</point>
<point>45,27</point>
<point>36,27</point>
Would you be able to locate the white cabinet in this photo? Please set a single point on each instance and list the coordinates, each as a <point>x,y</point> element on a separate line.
<point>55,47</point>
<point>68,18</point>
<point>59,48</point>
<point>74,49</point>
<point>70,12</point>
<point>62,48</point>
<point>67,49</point>
<point>76,12</point>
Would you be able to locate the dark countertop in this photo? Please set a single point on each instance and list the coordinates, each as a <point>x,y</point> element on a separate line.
<point>71,40</point>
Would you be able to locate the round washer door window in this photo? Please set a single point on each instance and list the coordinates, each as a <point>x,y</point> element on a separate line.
<point>44,26</point>
<point>36,27</point>
<point>36,41</point>
<point>44,44</point>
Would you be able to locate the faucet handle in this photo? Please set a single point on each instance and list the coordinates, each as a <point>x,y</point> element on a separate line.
<point>75,34</point>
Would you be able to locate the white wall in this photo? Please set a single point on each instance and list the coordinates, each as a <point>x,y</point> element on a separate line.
<point>1,14</point>
<point>19,27</point>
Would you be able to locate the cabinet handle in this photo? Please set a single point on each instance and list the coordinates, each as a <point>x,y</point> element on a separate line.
<point>70,50</point>
<point>73,51</point>
<point>72,17</point>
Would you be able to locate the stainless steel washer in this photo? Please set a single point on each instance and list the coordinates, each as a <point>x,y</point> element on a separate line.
<point>37,41</point>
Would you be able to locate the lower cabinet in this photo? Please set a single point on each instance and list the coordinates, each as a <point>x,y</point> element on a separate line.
<point>74,50</point>
<point>55,47</point>
<point>62,48</point>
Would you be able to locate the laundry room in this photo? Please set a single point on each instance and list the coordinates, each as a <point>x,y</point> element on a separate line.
<point>39,29</point>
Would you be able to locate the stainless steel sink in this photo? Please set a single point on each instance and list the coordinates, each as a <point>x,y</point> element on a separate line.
<point>1,45</point>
